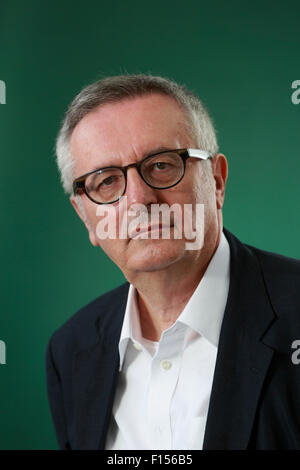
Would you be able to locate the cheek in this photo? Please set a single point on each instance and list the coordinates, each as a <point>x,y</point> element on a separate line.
<point>90,208</point>
<point>115,250</point>
<point>97,213</point>
<point>203,187</point>
<point>105,225</point>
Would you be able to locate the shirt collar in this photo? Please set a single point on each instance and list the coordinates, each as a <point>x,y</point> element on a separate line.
<point>204,311</point>
<point>131,328</point>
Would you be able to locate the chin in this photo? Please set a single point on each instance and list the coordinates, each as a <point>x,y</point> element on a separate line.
<point>153,255</point>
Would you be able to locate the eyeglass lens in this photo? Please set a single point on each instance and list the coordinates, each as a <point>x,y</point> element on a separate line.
<point>159,171</point>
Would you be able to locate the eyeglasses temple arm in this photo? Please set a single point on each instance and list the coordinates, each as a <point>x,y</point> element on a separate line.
<point>202,154</point>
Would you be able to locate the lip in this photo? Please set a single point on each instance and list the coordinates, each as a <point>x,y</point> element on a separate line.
<point>150,228</point>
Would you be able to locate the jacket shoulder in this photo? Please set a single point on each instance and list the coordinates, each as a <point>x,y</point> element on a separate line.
<point>278,268</point>
<point>80,331</point>
<point>281,275</point>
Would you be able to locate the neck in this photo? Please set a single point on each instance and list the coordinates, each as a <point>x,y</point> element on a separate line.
<point>162,295</point>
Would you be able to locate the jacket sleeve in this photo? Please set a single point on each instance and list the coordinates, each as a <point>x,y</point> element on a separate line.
<point>55,398</point>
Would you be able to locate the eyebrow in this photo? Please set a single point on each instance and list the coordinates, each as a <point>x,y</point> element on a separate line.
<point>145,155</point>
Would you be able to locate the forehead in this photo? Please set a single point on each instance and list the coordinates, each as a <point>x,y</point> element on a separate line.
<point>120,133</point>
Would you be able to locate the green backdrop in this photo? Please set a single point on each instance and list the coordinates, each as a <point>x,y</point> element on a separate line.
<point>241,57</point>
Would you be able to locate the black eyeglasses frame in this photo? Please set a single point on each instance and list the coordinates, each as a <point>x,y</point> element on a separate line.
<point>79,182</point>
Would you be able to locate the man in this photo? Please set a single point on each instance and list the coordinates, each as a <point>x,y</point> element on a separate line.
<point>195,351</point>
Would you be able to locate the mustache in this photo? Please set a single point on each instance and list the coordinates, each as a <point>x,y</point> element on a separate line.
<point>147,221</point>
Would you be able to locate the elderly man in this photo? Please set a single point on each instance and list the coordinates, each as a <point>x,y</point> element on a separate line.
<point>198,350</point>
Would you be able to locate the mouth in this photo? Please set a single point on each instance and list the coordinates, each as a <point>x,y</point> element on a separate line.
<point>150,229</point>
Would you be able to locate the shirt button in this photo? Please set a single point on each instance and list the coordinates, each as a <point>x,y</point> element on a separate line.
<point>166,365</point>
<point>137,346</point>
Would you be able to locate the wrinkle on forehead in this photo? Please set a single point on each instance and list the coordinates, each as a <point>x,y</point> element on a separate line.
<point>121,133</point>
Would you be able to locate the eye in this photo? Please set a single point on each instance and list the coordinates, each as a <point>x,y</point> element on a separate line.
<point>161,165</point>
<point>108,181</point>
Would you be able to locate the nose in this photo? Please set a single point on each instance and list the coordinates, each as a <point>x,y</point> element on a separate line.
<point>137,191</point>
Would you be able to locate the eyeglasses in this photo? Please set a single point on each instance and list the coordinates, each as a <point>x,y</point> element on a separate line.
<point>161,170</point>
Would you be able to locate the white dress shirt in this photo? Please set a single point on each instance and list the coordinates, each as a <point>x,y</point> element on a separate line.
<point>164,387</point>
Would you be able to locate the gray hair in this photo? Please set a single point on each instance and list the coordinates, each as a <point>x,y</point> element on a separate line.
<point>117,88</point>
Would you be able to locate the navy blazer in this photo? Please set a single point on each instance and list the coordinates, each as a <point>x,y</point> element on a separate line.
<point>255,398</point>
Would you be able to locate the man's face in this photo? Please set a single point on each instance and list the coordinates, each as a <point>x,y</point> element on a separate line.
<point>122,133</point>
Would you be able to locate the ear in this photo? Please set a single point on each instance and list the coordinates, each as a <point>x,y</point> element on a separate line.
<point>220,173</point>
<point>87,224</point>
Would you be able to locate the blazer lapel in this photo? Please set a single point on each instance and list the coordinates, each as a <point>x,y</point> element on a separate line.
<point>242,360</point>
<point>95,372</point>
